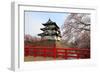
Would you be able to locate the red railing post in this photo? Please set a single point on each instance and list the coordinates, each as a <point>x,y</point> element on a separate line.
<point>44,51</point>
<point>65,53</point>
<point>78,54</point>
<point>34,54</point>
<point>27,52</point>
<point>54,53</point>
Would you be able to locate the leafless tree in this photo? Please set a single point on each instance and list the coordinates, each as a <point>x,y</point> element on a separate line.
<point>28,37</point>
<point>31,38</point>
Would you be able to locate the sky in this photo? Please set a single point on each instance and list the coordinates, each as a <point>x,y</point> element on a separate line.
<point>33,20</point>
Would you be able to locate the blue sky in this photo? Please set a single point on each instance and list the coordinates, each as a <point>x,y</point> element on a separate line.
<point>34,20</point>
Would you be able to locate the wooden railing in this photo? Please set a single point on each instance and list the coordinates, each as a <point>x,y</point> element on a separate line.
<point>65,53</point>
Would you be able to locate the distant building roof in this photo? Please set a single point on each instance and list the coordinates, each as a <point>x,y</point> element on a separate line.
<point>49,22</point>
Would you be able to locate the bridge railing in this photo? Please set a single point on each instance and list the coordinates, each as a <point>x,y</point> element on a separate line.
<point>65,53</point>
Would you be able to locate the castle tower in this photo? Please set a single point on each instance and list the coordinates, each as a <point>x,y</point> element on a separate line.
<point>50,31</point>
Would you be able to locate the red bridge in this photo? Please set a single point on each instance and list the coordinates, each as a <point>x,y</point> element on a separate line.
<point>65,53</point>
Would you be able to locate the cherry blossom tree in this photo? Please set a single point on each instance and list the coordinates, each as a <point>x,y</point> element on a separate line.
<point>76,30</point>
